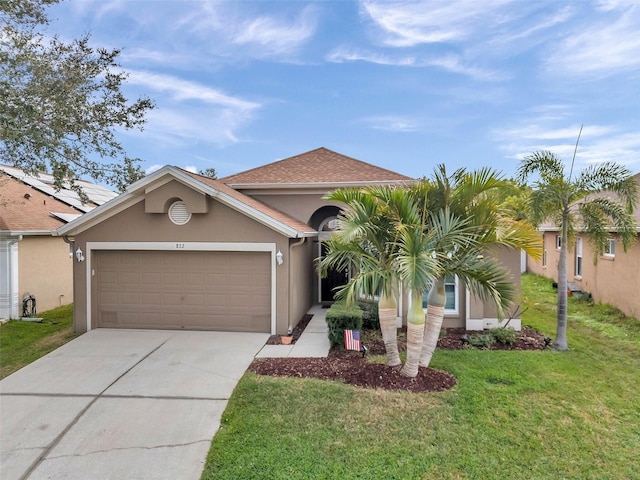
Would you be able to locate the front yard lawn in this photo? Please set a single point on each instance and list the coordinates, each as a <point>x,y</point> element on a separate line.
<point>24,342</point>
<point>512,415</point>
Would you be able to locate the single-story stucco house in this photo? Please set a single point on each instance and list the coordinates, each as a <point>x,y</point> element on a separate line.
<point>184,251</point>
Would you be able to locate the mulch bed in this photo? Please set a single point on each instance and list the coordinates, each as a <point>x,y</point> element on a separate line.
<point>352,369</point>
<point>302,324</point>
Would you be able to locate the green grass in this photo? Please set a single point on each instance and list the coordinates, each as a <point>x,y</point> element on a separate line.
<point>24,342</point>
<point>513,415</point>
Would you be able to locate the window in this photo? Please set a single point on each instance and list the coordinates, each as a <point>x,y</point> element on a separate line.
<point>610,249</point>
<point>579,257</point>
<point>558,242</point>
<point>450,291</point>
<point>544,257</point>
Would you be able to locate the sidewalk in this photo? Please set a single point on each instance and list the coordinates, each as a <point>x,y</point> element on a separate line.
<point>314,341</point>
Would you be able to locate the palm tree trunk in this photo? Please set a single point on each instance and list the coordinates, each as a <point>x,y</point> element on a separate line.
<point>387,312</point>
<point>415,335</point>
<point>560,342</point>
<point>435,316</point>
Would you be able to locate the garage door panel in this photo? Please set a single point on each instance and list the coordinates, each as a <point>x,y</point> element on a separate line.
<point>184,290</point>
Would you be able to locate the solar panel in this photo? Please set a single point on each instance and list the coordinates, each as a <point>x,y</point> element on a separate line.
<point>44,183</point>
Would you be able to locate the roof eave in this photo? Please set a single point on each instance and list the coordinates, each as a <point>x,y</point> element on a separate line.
<point>15,233</point>
<point>315,185</point>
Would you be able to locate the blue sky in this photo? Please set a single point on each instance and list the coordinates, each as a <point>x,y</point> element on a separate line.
<point>402,85</point>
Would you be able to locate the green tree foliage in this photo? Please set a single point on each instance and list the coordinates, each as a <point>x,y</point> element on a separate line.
<point>209,172</point>
<point>62,103</point>
<point>578,204</point>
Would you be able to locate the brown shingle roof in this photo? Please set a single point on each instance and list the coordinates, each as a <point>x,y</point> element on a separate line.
<point>253,203</point>
<point>315,167</point>
<point>23,208</point>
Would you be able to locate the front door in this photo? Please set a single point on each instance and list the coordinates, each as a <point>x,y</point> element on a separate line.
<point>335,278</point>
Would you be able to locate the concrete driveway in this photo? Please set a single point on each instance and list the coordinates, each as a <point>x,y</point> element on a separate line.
<point>121,404</point>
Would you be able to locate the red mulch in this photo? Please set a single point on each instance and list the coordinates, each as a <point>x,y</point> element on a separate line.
<point>352,369</point>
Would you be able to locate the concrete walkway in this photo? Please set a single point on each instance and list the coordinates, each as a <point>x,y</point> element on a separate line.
<point>314,341</point>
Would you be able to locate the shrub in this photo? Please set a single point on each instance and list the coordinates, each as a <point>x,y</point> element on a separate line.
<point>506,336</point>
<point>341,317</point>
<point>370,319</point>
<point>481,340</point>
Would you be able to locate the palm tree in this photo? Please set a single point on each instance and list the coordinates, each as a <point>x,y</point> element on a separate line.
<point>470,196</point>
<point>578,204</point>
<point>365,242</point>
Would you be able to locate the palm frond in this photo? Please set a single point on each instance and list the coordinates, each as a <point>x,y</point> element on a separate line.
<point>545,163</point>
<point>488,280</point>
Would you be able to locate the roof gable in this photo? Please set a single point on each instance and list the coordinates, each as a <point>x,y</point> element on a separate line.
<point>274,219</point>
<point>319,166</point>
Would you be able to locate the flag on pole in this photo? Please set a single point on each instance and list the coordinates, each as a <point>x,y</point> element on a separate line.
<point>352,340</point>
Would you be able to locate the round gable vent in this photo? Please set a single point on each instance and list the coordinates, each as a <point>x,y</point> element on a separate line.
<point>178,213</point>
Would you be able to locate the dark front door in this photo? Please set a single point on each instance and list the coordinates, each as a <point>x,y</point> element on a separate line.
<point>334,278</point>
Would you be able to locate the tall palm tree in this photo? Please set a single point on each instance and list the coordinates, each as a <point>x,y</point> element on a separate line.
<point>576,203</point>
<point>364,242</point>
<point>469,196</point>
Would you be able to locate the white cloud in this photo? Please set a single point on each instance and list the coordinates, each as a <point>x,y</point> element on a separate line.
<point>391,123</point>
<point>341,55</point>
<point>276,35</point>
<point>406,24</point>
<point>604,47</point>
<point>181,90</point>
<point>188,112</point>
<point>540,132</point>
<point>153,168</point>
<point>449,63</point>
<point>455,64</point>
<point>598,143</point>
<point>227,25</point>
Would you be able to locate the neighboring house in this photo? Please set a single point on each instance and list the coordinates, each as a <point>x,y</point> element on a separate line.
<point>614,279</point>
<point>32,260</point>
<point>183,251</point>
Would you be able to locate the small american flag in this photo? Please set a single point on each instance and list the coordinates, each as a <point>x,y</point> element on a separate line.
<point>352,340</point>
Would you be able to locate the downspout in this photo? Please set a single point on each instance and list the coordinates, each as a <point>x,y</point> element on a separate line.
<point>11,286</point>
<point>291,247</point>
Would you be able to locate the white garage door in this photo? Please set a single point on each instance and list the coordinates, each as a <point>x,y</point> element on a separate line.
<point>183,290</point>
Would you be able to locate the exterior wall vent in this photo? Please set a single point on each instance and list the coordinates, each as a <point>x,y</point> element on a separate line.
<point>178,213</point>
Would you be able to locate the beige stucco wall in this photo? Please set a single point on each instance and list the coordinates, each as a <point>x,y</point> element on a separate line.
<point>220,224</point>
<point>302,278</point>
<point>613,280</point>
<point>300,206</point>
<point>509,258</point>
<point>46,271</point>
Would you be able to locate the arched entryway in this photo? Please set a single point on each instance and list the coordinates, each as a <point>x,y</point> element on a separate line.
<point>324,220</point>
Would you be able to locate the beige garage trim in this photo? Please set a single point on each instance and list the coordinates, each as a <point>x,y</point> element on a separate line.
<point>192,286</point>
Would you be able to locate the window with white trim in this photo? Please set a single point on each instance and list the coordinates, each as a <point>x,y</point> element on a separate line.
<point>451,294</point>
<point>558,242</point>
<point>610,249</point>
<point>544,257</point>
<point>578,257</point>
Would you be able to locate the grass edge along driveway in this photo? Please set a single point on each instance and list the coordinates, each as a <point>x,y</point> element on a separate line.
<point>535,415</point>
<point>24,342</point>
